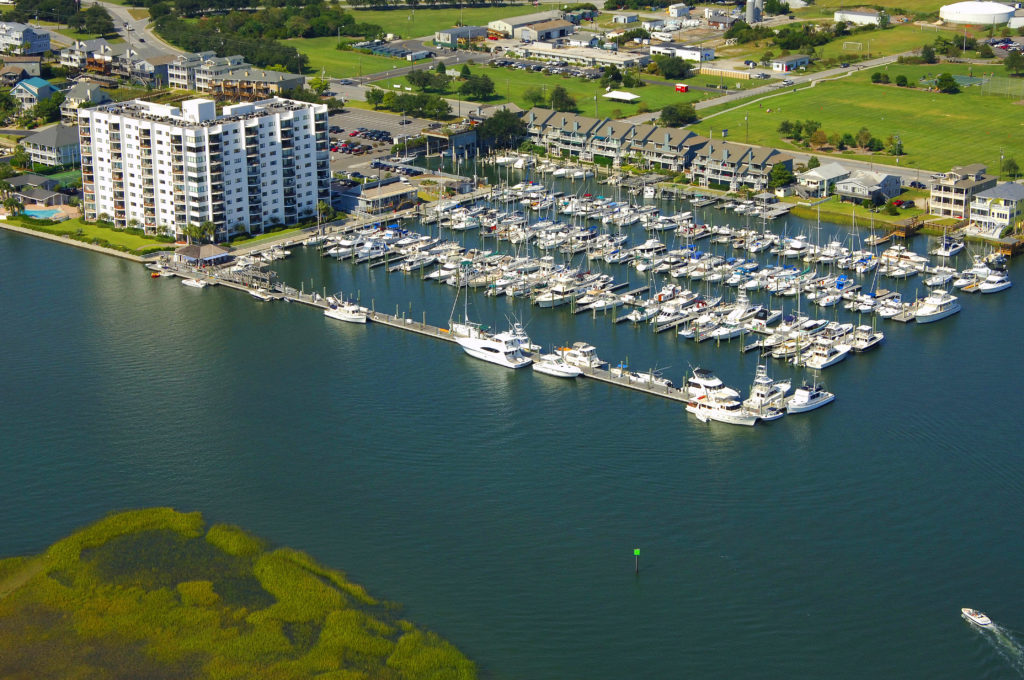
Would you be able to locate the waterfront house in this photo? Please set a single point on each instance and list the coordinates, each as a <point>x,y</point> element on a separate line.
<point>995,210</point>
<point>388,198</point>
<point>820,181</point>
<point>31,179</point>
<point>31,91</point>
<point>54,146</point>
<point>29,195</point>
<point>953,192</point>
<point>19,38</point>
<point>10,75</point>
<point>877,187</point>
<point>736,165</point>
<point>31,63</point>
<point>202,255</point>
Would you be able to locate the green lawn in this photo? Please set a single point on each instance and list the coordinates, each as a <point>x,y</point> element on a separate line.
<point>509,83</point>
<point>834,210</point>
<point>425,22</point>
<point>894,6</point>
<point>88,231</point>
<point>938,130</point>
<point>256,238</point>
<point>323,54</point>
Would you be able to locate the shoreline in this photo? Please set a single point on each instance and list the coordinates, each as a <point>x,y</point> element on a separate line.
<point>70,241</point>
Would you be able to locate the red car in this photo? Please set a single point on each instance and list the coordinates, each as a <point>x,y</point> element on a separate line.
<point>353,133</point>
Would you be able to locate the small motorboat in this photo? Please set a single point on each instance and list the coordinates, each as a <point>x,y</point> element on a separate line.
<point>976,617</point>
<point>194,283</point>
<point>555,365</point>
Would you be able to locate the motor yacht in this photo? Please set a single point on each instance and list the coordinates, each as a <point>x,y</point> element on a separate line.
<point>494,349</point>
<point>582,355</point>
<point>554,365</point>
<point>705,383</point>
<point>346,311</point>
<point>765,392</point>
<point>938,305</point>
<point>808,397</point>
<point>823,354</point>
<point>194,283</point>
<point>721,411</point>
<point>995,282</point>
<point>866,338</point>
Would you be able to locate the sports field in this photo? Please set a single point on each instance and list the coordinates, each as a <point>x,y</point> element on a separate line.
<point>938,131</point>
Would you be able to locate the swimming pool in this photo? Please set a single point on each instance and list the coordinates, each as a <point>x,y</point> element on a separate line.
<point>42,214</point>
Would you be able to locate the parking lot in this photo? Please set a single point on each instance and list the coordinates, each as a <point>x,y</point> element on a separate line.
<point>381,121</point>
<point>553,68</point>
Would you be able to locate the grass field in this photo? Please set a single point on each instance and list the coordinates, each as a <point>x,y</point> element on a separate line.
<point>337,63</point>
<point>90,232</point>
<point>938,130</point>
<point>894,6</point>
<point>834,210</point>
<point>425,22</point>
<point>510,84</point>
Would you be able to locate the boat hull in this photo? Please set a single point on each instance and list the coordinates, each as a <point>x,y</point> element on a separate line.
<point>930,317</point>
<point>803,407</point>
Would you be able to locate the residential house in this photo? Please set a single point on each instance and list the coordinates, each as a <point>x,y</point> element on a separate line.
<point>251,84</point>
<point>54,146</point>
<point>28,195</point>
<point>997,209</point>
<point>77,55</point>
<point>507,27</point>
<point>31,91</point>
<point>457,36</point>
<point>31,64</point>
<point>30,179</point>
<point>18,38</point>
<point>821,181</point>
<point>790,63</point>
<point>953,192</point>
<point>861,185</point>
<point>625,18</point>
<point>545,30</point>
<point>82,94</point>
<point>10,75</point>
<point>181,73</point>
<point>669,148</point>
<point>736,165</point>
<point>859,17</point>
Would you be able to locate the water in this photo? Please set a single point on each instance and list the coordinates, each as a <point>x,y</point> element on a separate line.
<point>502,508</point>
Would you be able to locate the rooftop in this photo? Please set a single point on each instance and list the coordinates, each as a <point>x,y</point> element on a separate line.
<point>1011,191</point>
<point>169,115</point>
<point>387,191</point>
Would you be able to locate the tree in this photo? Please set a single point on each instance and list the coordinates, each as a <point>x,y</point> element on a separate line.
<point>20,157</point>
<point>1014,62</point>
<point>891,209</point>
<point>813,162</point>
<point>534,95</point>
<point>319,85</point>
<point>440,67</point>
<point>13,205</point>
<point>819,138</point>
<point>1010,168</point>
<point>325,211</point>
<point>464,71</point>
<point>985,51</point>
<point>676,115</point>
<point>863,137</point>
<point>928,54</point>
<point>375,96</point>
<point>612,77</point>
<point>901,80</point>
<point>876,77</point>
<point>894,145</point>
<point>420,80</point>
<point>875,144</point>
<point>947,84</point>
<point>780,176</point>
<point>503,129</point>
<point>477,87</point>
<point>197,233</point>
<point>672,68</point>
<point>561,100</point>
<point>776,7</point>
<point>632,78</point>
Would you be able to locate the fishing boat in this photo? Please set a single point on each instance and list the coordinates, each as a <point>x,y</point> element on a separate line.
<point>555,365</point>
<point>938,305</point>
<point>976,617</point>
<point>808,397</point>
<point>866,338</point>
<point>766,395</point>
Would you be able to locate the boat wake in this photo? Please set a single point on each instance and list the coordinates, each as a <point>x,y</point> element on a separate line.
<point>1006,644</point>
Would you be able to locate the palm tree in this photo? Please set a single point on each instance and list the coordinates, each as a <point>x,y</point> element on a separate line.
<point>13,205</point>
<point>6,189</point>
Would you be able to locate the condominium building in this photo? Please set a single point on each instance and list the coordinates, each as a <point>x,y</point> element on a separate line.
<point>953,192</point>
<point>18,38</point>
<point>162,168</point>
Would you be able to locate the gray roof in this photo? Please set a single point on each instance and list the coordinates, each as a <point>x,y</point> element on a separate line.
<point>1011,191</point>
<point>55,137</point>
<point>37,193</point>
<point>87,92</point>
<point>207,251</point>
<point>827,171</point>
<point>31,179</point>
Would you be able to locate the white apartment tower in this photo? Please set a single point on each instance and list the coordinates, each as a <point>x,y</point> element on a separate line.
<point>161,168</point>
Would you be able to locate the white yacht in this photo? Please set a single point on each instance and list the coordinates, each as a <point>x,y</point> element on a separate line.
<point>808,397</point>
<point>766,395</point>
<point>722,411</point>
<point>948,247</point>
<point>346,311</point>
<point>995,282</point>
<point>194,283</point>
<point>938,305</point>
<point>976,617</point>
<point>823,354</point>
<point>866,338</point>
<point>555,365</point>
<point>495,349</point>
<point>582,355</point>
<point>704,383</point>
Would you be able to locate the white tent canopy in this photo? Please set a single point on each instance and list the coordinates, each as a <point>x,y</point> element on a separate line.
<point>620,96</point>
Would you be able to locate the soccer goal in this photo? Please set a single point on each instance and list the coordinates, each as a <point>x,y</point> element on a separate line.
<point>852,46</point>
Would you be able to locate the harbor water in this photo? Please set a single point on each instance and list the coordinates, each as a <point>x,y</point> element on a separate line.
<point>502,508</point>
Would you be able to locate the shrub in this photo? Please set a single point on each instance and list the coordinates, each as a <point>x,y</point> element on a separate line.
<point>233,540</point>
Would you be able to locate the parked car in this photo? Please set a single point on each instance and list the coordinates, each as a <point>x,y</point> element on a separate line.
<point>353,133</point>
<point>917,185</point>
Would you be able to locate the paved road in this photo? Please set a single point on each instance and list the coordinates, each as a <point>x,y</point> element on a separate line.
<point>141,37</point>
